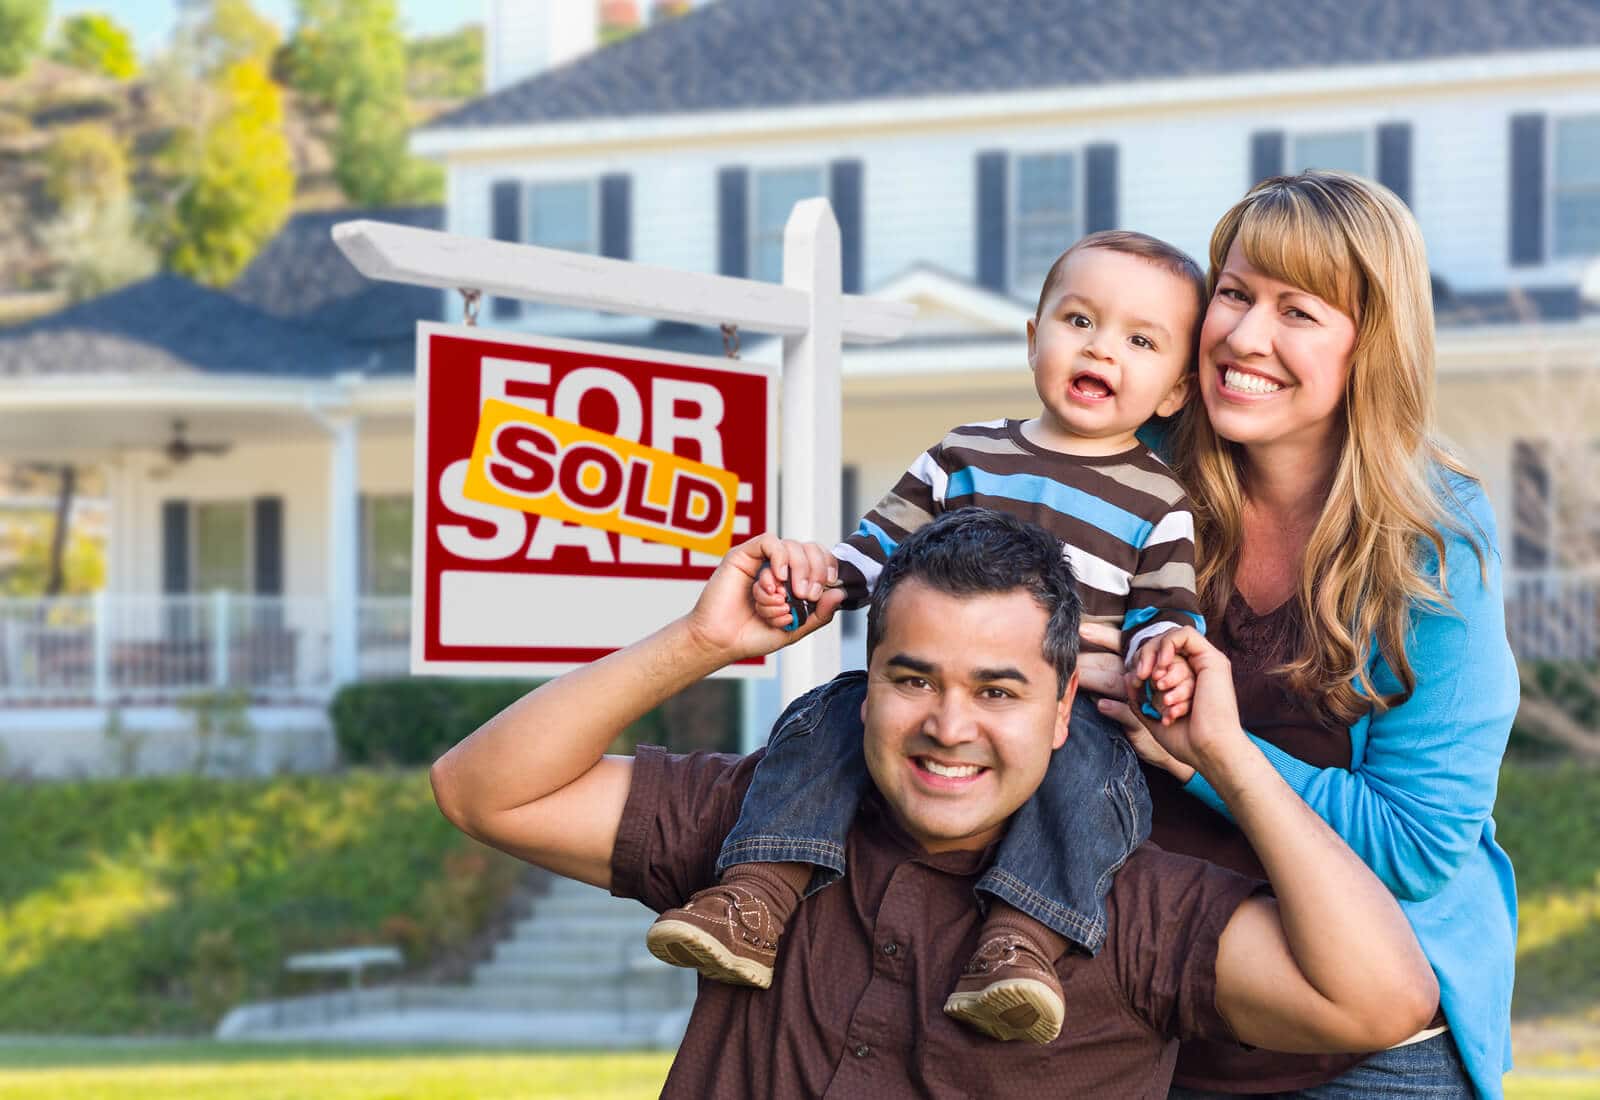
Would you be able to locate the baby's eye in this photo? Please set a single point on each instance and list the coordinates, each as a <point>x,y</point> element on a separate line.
<point>1141,341</point>
<point>1078,320</point>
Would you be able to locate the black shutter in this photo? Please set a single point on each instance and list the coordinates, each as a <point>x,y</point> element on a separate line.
<point>845,192</point>
<point>505,212</point>
<point>269,546</point>
<point>1394,159</point>
<point>733,221</point>
<point>1530,504</point>
<point>1527,189</point>
<point>1100,188</point>
<point>616,216</point>
<point>1266,155</point>
<point>175,547</point>
<point>991,221</point>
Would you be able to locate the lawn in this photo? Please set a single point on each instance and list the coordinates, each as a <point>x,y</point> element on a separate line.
<point>197,1070</point>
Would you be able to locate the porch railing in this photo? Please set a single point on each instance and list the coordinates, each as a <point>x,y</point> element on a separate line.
<point>115,648</point>
<point>1554,615</point>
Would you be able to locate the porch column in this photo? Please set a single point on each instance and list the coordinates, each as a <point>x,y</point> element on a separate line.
<point>344,547</point>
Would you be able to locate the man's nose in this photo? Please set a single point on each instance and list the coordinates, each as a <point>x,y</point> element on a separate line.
<point>952,721</point>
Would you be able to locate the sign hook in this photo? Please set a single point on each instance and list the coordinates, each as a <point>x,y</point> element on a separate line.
<point>471,300</point>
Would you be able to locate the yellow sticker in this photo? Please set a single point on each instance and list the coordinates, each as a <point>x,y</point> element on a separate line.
<point>535,463</point>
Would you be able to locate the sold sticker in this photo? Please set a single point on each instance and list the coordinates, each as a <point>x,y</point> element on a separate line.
<point>536,463</point>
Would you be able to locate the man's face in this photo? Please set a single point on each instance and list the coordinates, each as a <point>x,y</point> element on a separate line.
<point>961,713</point>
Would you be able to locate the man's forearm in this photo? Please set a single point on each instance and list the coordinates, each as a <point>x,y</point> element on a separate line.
<point>555,734</point>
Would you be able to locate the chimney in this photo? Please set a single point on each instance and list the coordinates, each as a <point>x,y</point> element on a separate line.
<point>618,15</point>
<point>668,9</point>
<point>525,37</point>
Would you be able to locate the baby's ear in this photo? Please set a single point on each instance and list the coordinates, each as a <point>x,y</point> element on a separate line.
<point>1175,396</point>
<point>1033,336</point>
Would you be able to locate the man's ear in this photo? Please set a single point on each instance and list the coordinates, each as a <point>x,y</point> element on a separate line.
<point>1064,711</point>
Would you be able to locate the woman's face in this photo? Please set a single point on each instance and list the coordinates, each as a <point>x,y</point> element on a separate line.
<point>1273,360</point>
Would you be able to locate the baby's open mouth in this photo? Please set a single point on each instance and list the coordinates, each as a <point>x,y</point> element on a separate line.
<point>1091,387</point>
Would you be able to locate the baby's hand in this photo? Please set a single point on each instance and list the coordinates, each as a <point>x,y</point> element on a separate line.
<point>1165,677</point>
<point>808,567</point>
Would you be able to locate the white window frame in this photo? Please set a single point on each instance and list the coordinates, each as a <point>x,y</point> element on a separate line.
<point>1367,134</point>
<point>752,235</point>
<point>1552,122</point>
<point>249,543</point>
<point>368,544</point>
<point>1014,212</point>
<point>525,210</point>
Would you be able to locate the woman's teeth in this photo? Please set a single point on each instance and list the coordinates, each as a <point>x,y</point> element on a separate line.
<point>1248,383</point>
<point>949,771</point>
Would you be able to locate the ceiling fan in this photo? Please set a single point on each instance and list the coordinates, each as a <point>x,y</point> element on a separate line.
<point>180,449</point>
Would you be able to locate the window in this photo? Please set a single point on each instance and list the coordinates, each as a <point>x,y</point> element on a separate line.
<point>1575,187</point>
<point>386,545</point>
<point>561,215</point>
<point>1048,215</point>
<point>222,546</point>
<point>1555,503</point>
<point>1342,150</point>
<point>776,192</point>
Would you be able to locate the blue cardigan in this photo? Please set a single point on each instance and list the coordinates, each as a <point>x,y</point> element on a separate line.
<point>1416,802</point>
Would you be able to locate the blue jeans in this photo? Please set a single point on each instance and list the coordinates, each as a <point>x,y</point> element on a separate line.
<point>1429,1070</point>
<point>1059,852</point>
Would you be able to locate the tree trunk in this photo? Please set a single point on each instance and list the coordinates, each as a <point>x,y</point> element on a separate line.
<point>58,540</point>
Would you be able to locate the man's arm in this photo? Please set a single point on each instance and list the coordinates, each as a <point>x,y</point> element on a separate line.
<point>1331,964</point>
<point>534,781</point>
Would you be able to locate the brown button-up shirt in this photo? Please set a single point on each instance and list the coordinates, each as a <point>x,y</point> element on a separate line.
<point>855,1009</point>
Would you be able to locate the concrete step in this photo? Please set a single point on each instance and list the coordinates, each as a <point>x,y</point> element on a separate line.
<point>607,954</point>
<point>618,998</point>
<point>591,907</point>
<point>556,968</point>
<point>578,927</point>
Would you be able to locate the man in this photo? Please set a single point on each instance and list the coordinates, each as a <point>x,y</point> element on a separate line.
<point>971,675</point>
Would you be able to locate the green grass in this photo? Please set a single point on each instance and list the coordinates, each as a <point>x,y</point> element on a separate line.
<point>233,1071</point>
<point>1549,818</point>
<point>151,906</point>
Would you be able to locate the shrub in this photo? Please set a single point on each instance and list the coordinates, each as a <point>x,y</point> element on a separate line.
<point>86,165</point>
<point>1560,712</point>
<point>22,24</point>
<point>95,42</point>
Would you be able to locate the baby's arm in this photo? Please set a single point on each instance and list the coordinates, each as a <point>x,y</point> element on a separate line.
<point>1165,676</point>
<point>808,568</point>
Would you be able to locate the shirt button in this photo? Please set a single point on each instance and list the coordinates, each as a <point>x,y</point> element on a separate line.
<point>891,949</point>
<point>862,1050</point>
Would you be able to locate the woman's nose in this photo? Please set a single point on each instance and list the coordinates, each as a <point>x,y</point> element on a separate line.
<point>1251,335</point>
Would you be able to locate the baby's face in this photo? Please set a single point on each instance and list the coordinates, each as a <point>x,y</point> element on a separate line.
<point>1111,348</point>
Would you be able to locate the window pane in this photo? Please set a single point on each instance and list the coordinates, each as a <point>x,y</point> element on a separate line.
<point>1576,226</point>
<point>559,216</point>
<point>387,546</point>
<point>776,193</point>
<point>1346,152</point>
<point>221,551</point>
<point>1578,151</point>
<point>1047,216</point>
<point>769,259</point>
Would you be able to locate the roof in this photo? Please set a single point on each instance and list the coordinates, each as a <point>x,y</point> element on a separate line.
<point>744,54</point>
<point>167,324</point>
<point>301,276</point>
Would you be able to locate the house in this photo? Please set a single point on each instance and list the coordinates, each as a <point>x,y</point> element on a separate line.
<point>962,147</point>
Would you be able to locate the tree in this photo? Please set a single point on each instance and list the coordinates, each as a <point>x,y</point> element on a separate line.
<point>98,247</point>
<point>95,42</point>
<point>233,31</point>
<point>85,164</point>
<point>22,24</point>
<point>241,180</point>
<point>446,66</point>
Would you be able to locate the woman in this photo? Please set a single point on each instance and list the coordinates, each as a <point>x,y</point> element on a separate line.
<point>1377,679</point>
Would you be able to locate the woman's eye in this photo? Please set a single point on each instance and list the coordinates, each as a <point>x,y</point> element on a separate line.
<point>1231,294</point>
<point>1299,314</point>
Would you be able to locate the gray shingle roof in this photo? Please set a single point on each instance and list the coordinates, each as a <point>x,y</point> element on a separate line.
<point>737,54</point>
<point>166,325</point>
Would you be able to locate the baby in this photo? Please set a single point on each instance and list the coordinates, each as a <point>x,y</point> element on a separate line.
<point>1110,347</point>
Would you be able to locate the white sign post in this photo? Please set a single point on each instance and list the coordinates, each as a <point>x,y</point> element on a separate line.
<point>808,310</point>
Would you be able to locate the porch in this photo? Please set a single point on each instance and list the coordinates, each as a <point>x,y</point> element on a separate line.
<point>110,649</point>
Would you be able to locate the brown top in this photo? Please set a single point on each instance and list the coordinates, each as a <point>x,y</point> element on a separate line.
<point>1182,823</point>
<point>855,1006</point>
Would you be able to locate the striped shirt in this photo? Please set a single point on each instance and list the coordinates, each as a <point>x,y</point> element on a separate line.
<point>1123,520</point>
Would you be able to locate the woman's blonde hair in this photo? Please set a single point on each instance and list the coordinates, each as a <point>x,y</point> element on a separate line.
<point>1353,244</point>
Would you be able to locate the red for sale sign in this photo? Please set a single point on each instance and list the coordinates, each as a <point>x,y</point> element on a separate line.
<point>571,497</point>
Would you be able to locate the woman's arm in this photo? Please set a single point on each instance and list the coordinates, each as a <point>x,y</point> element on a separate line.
<point>1414,805</point>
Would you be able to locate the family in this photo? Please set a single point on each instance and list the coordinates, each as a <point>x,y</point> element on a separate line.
<point>1172,769</point>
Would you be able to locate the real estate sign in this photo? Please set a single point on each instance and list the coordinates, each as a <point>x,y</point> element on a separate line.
<point>571,497</point>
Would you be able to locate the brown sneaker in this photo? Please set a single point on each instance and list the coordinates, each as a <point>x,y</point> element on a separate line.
<point>728,933</point>
<point>1009,990</point>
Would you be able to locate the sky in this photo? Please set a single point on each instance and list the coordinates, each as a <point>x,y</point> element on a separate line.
<point>151,21</point>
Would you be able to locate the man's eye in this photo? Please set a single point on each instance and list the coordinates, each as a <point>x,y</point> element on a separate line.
<point>916,682</point>
<point>995,693</point>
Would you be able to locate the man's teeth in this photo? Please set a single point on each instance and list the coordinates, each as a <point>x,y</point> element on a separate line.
<point>1248,383</point>
<point>951,771</point>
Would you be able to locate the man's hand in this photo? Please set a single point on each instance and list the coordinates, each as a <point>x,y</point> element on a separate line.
<point>727,621</point>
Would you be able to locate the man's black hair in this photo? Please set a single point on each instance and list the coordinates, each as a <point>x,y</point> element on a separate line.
<point>980,552</point>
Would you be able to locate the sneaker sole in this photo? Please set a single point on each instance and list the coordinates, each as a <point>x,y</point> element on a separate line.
<point>1018,1008</point>
<point>678,943</point>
